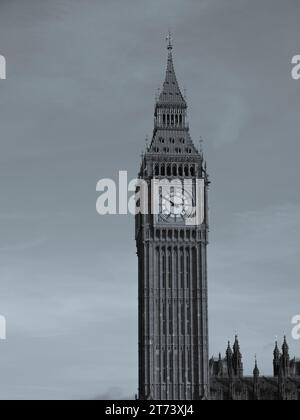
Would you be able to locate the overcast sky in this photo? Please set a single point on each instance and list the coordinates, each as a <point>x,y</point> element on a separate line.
<point>76,107</point>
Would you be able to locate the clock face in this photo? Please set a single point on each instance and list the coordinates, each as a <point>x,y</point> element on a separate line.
<point>176,206</point>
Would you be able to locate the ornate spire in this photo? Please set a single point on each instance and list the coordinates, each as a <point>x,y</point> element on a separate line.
<point>285,359</point>
<point>285,347</point>
<point>229,351</point>
<point>237,358</point>
<point>256,370</point>
<point>229,360</point>
<point>170,93</point>
<point>276,351</point>
<point>276,360</point>
<point>236,346</point>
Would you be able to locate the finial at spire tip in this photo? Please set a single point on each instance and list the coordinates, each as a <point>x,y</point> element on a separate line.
<point>169,40</point>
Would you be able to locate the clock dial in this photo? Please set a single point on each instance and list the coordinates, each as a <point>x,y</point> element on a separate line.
<point>177,206</point>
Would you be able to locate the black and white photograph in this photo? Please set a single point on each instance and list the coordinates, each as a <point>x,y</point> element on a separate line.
<point>150,206</point>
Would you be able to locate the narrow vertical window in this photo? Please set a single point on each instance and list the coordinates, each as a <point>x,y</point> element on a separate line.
<point>188,270</point>
<point>182,366</point>
<point>158,267</point>
<point>176,268</point>
<point>188,319</point>
<point>170,268</point>
<point>189,363</point>
<point>181,269</point>
<point>182,320</point>
<point>164,329</point>
<point>194,268</point>
<point>163,270</point>
<point>170,319</point>
<point>164,356</point>
<point>170,364</point>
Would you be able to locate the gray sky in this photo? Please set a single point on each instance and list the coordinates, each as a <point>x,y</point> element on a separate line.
<point>76,107</point>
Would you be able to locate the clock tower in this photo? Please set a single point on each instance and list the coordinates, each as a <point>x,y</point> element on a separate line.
<point>171,239</point>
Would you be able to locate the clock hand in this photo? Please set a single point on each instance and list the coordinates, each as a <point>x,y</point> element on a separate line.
<point>170,201</point>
